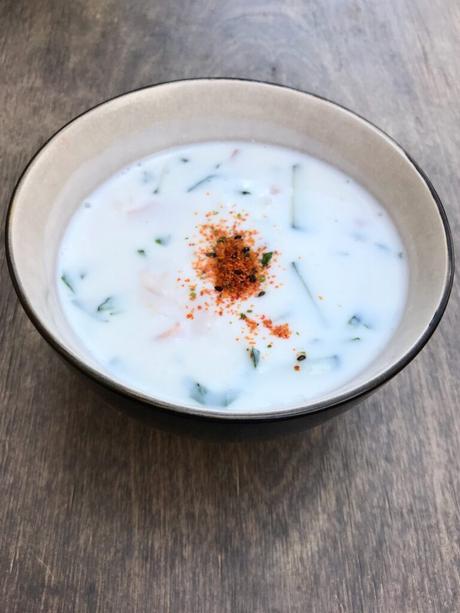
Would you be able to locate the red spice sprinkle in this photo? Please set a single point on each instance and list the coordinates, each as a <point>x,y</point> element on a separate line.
<point>281,330</point>
<point>235,266</point>
<point>252,325</point>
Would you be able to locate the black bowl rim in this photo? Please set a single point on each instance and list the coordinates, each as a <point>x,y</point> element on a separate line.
<point>212,414</point>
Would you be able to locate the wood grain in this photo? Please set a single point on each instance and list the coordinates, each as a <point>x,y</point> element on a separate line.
<point>99,514</point>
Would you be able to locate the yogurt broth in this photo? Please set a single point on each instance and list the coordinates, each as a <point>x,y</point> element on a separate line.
<point>228,274</point>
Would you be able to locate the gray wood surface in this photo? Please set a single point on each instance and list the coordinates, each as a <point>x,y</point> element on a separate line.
<point>98,513</point>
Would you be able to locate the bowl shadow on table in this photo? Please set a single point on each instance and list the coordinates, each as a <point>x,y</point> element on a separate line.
<point>122,470</point>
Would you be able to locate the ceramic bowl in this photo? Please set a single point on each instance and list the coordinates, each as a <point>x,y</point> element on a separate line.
<point>95,145</point>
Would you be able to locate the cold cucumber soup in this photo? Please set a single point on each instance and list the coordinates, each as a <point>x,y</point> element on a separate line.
<point>233,275</point>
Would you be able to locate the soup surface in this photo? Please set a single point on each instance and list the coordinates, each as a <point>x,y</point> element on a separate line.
<point>230,274</point>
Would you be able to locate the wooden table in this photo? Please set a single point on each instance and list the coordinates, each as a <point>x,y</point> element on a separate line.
<point>98,513</point>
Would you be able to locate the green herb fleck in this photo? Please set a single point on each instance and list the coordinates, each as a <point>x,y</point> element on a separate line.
<point>164,171</point>
<point>245,192</point>
<point>163,240</point>
<point>266,257</point>
<point>255,356</point>
<point>142,252</point>
<point>185,160</point>
<point>243,316</point>
<point>356,320</point>
<point>260,294</point>
<point>201,182</point>
<point>107,306</point>
<point>355,338</point>
<point>66,281</point>
<point>199,393</point>
<point>202,395</point>
<point>308,292</point>
<point>301,356</point>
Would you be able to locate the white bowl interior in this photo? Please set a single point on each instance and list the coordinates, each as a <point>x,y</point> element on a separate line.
<point>90,149</point>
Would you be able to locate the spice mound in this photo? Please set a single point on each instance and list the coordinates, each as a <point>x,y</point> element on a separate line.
<point>231,262</point>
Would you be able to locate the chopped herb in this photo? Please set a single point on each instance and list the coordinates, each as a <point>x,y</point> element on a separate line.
<point>141,252</point>
<point>356,320</point>
<point>261,278</point>
<point>185,160</point>
<point>260,294</point>
<point>252,278</point>
<point>199,393</point>
<point>255,356</point>
<point>65,280</point>
<point>201,182</point>
<point>163,173</point>
<point>192,295</point>
<point>106,305</point>
<point>356,338</point>
<point>237,237</point>
<point>242,316</point>
<point>221,239</point>
<point>309,294</point>
<point>163,240</point>
<point>301,356</point>
<point>266,257</point>
<point>246,250</point>
<point>202,395</point>
<point>249,311</point>
<point>211,254</point>
<point>245,192</point>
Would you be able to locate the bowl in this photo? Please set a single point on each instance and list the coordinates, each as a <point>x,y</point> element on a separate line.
<point>92,147</point>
